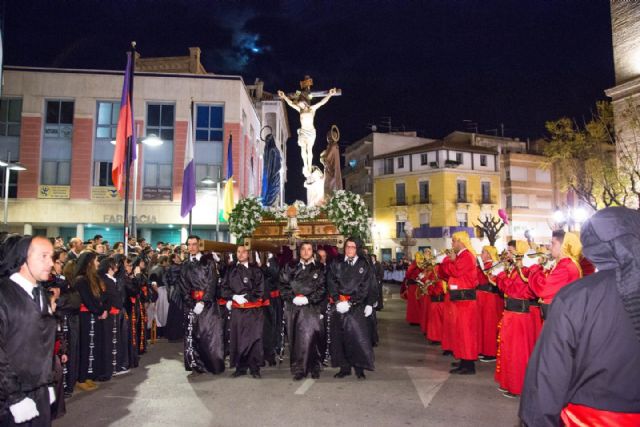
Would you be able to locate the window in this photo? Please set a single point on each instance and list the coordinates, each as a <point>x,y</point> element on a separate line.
<point>518,173</point>
<point>102,176</point>
<point>55,172</point>
<point>483,160</point>
<point>400,194</point>
<point>13,184</point>
<point>543,176</point>
<point>462,218</point>
<point>160,120</point>
<point>400,162</point>
<point>209,123</point>
<point>424,219</point>
<point>158,161</point>
<point>424,159</point>
<point>56,143</point>
<point>462,190</point>
<point>424,191</point>
<point>107,120</point>
<point>209,142</point>
<point>520,200</point>
<point>107,113</point>
<point>486,192</point>
<point>388,166</point>
<point>543,203</point>
<point>459,158</point>
<point>399,229</point>
<point>10,117</point>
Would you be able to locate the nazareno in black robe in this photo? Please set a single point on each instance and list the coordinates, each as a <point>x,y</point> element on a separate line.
<point>27,335</point>
<point>304,323</point>
<point>589,352</point>
<point>246,323</point>
<point>93,354</point>
<point>351,330</point>
<point>204,332</point>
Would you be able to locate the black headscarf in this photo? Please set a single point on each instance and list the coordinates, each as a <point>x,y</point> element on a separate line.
<point>13,253</point>
<point>611,241</point>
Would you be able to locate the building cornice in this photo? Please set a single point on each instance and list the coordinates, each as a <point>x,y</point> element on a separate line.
<point>632,87</point>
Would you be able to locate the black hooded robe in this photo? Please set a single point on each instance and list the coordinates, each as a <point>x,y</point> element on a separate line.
<point>351,333</point>
<point>204,332</point>
<point>304,323</point>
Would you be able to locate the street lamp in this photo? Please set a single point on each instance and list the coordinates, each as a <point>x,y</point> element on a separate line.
<point>16,166</point>
<point>207,180</point>
<point>570,216</point>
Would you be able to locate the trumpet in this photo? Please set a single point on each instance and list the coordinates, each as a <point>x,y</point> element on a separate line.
<point>543,257</point>
<point>423,287</point>
<point>501,263</point>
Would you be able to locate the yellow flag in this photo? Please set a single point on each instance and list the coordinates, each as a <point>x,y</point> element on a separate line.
<point>227,199</point>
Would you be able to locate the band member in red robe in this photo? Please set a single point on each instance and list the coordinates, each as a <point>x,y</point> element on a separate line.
<point>584,370</point>
<point>490,305</point>
<point>436,309</point>
<point>566,250</point>
<point>517,330</point>
<point>425,280</point>
<point>461,270</point>
<point>413,312</point>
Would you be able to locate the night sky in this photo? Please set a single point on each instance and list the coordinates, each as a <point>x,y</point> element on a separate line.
<point>427,65</point>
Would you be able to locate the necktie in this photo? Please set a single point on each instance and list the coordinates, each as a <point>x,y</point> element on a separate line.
<point>193,259</point>
<point>350,261</point>
<point>36,297</point>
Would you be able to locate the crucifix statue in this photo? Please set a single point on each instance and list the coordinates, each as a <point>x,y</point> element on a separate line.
<point>301,102</point>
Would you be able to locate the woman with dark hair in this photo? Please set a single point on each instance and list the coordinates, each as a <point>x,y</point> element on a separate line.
<point>94,309</point>
<point>67,314</point>
<point>174,329</point>
<point>116,348</point>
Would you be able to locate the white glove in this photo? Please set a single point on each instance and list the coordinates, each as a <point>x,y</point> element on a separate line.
<point>229,303</point>
<point>240,299</point>
<point>342,307</point>
<point>24,410</point>
<point>499,269</point>
<point>440,258</point>
<point>528,261</point>
<point>62,277</point>
<point>368,310</point>
<point>301,300</point>
<point>52,396</point>
<point>215,256</point>
<point>198,308</point>
<point>375,304</point>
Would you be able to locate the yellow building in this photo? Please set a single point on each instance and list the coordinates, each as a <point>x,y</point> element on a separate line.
<point>436,189</point>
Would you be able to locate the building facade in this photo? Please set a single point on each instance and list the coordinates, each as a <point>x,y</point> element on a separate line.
<point>59,123</point>
<point>438,187</point>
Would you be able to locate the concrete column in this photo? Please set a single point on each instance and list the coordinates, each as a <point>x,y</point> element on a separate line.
<point>184,233</point>
<point>80,231</point>
<point>53,231</point>
<point>28,229</point>
<point>145,233</point>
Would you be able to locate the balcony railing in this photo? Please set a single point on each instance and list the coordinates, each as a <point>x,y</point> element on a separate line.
<point>409,201</point>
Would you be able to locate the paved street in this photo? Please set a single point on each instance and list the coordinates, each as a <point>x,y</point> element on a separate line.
<point>411,386</point>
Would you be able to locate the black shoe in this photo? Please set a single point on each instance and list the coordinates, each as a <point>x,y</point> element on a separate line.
<point>342,374</point>
<point>256,375</point>
<point>298,377</point>
<point>455,364</point>
<point>360,374</point>
<point>434,342</point>
<point>68,394</point>
<point>465,371</point>
<point>315,375</point>
<point>272,363</point>
<point>447,353</point>
<point>455,370</point>
<point>237,374</point>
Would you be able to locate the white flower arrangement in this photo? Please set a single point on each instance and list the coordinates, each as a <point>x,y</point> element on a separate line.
<point>345,209</point>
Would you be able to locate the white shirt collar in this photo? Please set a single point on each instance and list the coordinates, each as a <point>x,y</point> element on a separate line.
<point>246,264</point>
<point>24,283</point>
<point>311,261</point>
<point>197,256</point>
<point>111,277</point>
<point>461,250</point>
<point>355,258</point>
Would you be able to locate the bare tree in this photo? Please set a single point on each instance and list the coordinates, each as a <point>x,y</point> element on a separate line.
<point>490,226</point>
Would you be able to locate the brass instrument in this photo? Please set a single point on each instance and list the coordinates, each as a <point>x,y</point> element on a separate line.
<point>543,257</point>
<point>423,287</point>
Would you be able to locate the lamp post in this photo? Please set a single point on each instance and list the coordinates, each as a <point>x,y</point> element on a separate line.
<point>150,140</point>
<point>570,216</point>
<point>208,181</point>
<point>9,167</point>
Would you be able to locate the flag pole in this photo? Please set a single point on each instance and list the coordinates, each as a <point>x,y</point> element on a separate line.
<point>130,142</point>
<point>191,130</point>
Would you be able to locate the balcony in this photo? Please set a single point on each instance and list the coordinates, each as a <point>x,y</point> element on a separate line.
<point>488,200</point>
<point>409,201</point>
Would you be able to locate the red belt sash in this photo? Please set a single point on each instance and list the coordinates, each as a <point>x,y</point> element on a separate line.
<point>83,308</point>
<point>250,304</point>
<point>114,311</point>
<point>583,416</point>
<point>275,294</point>
<point>222,301</point>
<point>340,298</point>
<point>197,295</point>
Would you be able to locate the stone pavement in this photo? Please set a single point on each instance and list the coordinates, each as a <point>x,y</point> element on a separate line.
<point>411,386</point>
